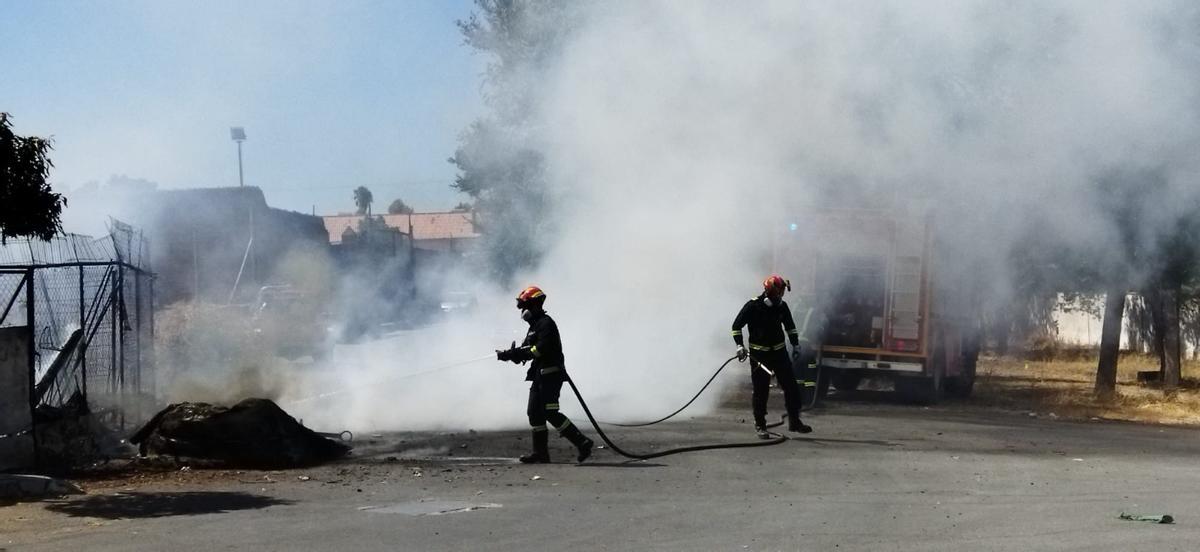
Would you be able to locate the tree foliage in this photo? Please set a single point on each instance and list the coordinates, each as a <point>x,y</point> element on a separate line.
<point>363,199</point>
<point>28,207</point>
<point>399,207</point>
<point>499,166</point>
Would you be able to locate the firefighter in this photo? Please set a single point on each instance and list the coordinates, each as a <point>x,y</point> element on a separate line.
<point>546,375</point>
<point>809,324</point>
<point>768,317</point>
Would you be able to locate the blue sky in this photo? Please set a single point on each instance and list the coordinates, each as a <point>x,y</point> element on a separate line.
<point>333,95</point>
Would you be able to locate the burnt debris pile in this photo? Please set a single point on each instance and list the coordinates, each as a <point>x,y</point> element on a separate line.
<point>253,433</point>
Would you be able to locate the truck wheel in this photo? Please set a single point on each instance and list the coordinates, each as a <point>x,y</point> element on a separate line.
<point>927,389</point>
<point>846,381</point>
<point>921,390</point>
<point>823,378</point>
<point>961,386</point>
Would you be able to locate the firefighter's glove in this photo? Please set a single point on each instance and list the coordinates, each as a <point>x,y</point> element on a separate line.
<point>507,355</point>
<point>742,354</point>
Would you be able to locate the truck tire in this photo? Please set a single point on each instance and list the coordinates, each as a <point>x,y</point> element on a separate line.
<point>846,381</point>
<point>961,386</point>
<point>921,390</point>
<point>928,389</point>
<point>823,378</point>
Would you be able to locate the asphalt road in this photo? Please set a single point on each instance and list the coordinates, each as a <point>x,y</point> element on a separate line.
<point>874,476</point>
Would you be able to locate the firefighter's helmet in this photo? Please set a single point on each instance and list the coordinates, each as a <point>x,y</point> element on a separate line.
<point>530,296</point>
<point>776,285</point>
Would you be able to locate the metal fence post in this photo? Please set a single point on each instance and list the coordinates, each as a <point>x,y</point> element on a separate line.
<point>137,330</point>
<point>30,320</point>
<point>83,377</point>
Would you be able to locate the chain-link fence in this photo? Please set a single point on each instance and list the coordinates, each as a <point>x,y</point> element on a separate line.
<point>89,303</point>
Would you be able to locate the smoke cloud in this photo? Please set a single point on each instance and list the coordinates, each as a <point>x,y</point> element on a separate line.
<point>679,135</point>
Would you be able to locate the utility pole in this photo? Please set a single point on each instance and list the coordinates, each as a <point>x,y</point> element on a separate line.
<point>239,135</point>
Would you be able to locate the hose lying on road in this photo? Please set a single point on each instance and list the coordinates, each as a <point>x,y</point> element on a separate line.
<point>603,436</point>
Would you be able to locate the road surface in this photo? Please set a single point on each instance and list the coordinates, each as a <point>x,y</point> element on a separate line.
<point>875,475</point>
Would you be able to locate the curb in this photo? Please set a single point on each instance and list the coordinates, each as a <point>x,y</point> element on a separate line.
<point>15,486</point>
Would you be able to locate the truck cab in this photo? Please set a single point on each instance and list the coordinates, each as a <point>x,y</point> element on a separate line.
<point>868,283</point>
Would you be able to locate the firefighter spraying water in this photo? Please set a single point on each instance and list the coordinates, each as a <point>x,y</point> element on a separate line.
<point>546,375</point>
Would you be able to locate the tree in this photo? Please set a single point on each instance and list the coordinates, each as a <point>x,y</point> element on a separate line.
<point>1126,198</point>
<point>363,200</point>
<point>399,207</point>
<point>499,166</point>
<point>462,207</point>
<point>1110,342</point>
<point>28,207</point>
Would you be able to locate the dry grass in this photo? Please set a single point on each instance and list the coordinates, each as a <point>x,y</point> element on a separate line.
<point>1064,388</point>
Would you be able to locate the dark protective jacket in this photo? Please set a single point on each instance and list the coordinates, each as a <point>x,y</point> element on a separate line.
<point>543,346</point>
<point>767,325</point>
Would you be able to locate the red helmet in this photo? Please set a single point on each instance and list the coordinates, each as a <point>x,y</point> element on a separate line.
<point>775,285</point>
<point>530,296</point>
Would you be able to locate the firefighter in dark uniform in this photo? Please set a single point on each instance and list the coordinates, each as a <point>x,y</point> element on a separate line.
<point>546,375</point>
<point>768,317</point>
<point>809,324</point>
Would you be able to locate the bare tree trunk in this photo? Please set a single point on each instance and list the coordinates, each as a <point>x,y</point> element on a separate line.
<point>1110,341</point>
<point>1172,351</point>
<point>1002,326</point>
<point>1158,322</point>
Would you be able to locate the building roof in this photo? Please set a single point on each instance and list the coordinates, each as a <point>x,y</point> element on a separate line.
<point>425,226</point>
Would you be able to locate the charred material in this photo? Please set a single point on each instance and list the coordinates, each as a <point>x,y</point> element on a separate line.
<point>253,433</point>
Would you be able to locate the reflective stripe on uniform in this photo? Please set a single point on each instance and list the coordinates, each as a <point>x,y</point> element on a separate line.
<point>736,332</point>
<point>779,347</point>
<point>551,406</point>
<point>550,370</point>
<point>810,384</point>
<point>794,331</point>
<point>539,428</point>
<point>535,351</point>
<point>564,426</point>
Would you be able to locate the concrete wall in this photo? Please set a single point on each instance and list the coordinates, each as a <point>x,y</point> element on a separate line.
<point>1083,329</point>
<point>17,451</point>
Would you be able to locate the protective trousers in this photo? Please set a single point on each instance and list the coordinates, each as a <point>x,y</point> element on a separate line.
<point>543,407</point>
<point>778,362</point>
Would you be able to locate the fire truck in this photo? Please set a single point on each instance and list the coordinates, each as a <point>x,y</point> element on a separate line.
<point>878,296</point>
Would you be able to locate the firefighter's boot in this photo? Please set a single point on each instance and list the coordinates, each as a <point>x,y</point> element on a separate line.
<point>794,424</point>
<point>541,453</point>
<point>761,431</point>
<point>582,444</point>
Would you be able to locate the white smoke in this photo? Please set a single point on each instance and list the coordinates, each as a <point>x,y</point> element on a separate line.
<point>680,135</point>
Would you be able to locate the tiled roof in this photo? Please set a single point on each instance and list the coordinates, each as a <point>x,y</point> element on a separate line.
<point>425,226</point>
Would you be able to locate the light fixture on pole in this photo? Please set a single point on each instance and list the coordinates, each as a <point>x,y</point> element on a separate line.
<point>239,135</point>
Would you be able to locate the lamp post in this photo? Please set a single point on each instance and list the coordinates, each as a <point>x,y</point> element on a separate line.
<point>239,135</point>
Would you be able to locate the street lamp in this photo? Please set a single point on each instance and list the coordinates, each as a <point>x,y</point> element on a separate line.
<point>239,135</point>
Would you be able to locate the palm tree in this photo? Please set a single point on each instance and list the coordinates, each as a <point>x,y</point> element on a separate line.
<point>363,199</point>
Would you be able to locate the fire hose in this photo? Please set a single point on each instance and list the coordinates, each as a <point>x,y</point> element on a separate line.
<point>603,436</point>
<point>596,423</point>
<point>635,456</point>
<point>705,387</point>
